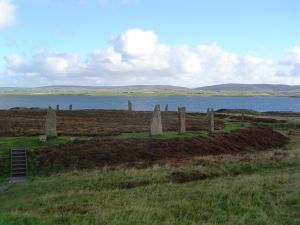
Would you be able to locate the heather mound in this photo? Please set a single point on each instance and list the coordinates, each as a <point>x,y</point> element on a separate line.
<point>31,122</point>
<point>109,151</point>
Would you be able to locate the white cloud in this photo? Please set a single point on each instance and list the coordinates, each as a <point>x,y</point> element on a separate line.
<point>137,57</point>
<point>255,70</point>
<point>7,13</point>
<point>136,43</point>
<point>13,60</point>
<point>295,54</point>
<point>291,63</point>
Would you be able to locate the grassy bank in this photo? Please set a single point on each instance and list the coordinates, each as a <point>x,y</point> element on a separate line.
<point>250,188</point>
<point>247,189</point>
<point>180,92</point>
<point>228,126</point>
<point>30,144</point>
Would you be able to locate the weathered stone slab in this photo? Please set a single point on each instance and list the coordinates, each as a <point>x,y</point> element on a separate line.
<point>211,120</point>
<point>129,105</point>
<point>50,125</point>
<point>243,118</point>
<point>43,138</point>
<point>156,125</point>
<point>72,139</point>
<point>182,126</point>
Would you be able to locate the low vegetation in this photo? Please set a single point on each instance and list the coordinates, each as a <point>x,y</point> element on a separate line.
<point>243,187</point>
<point>228,126</point>
<point>240,189</point>
<point>31,144</point>
<point>18,122</point>
<point>160,90</point>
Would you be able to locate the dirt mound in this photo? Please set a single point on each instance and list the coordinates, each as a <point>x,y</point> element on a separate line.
<point>283,114</point>
<point>256,119</point>
<point>248,111</point>
<point>90,122</point>
<point>182,177</point>
<point>108,151</point>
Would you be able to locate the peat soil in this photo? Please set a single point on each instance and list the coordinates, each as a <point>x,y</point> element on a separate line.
<point>255,119</point>
<point>145,152</point>
<point>30,122</point>
<point>238,117</point>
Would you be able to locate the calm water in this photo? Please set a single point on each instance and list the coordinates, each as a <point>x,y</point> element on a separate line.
<point>193,103</point>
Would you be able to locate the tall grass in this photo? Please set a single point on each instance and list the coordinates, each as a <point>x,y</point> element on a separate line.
<point>253,189</point>
<point>247,189</point>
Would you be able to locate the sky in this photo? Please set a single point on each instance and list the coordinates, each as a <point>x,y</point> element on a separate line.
<point>189,43</point>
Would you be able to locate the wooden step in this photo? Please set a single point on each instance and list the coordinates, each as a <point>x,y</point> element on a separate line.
<point>24,174</point>
<point>19,165</point>
<point>22,160</point>
<point>18,162</point>
<point>18,153</point>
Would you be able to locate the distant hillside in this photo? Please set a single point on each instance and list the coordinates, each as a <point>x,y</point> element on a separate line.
<point>129,87</point>
<point>159,90</point>
<point>251,88</point>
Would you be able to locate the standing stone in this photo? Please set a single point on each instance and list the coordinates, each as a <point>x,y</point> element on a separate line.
<point>57,107</point>
<point>166,108</point>
<point>208,118</point>
<point>211,120</point>
<point>243,118</point>
<point>212,123</point>
<point>181,112</point>
<point>71,107</point>
<point>156,125</point>
<point>129,105</point>
<point>50,125</point>
<point>43,138</point>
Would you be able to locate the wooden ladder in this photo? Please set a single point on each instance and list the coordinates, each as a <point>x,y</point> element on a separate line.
<point>18,162</point>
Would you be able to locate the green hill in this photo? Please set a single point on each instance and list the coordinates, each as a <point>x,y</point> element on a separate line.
<point>158,90</point>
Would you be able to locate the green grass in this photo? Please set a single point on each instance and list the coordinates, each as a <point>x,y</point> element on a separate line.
<point>260,191</point>
<point>283,126</point>
<point>248,189</point>
<point>140,92</point>
<point>164,135</point>
<point>229,126</point>
<point>30,144</point>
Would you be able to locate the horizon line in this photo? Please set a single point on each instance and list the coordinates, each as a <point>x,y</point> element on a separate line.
<point>148,85</point>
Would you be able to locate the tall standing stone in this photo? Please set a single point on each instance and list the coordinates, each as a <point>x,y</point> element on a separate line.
<point>212,123</point>
<point>156,125</point>
<point>211,120</point>
<point>50,125</point>
<point>181,112</point>
<point>70,107</point>
<point>243,118</point>
<point>208,118</point>
<point>129,105</point>
<point>166,108</point>
<point>57,107</point>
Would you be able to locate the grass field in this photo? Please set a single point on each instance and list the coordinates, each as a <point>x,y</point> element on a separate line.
<point>146,91</point>
<point>30,144</point>
<point>251,188</point>
<point>229,126</point>
<point>248,189</point>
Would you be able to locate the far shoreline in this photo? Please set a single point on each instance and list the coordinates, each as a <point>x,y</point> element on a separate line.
<point>154,95</point>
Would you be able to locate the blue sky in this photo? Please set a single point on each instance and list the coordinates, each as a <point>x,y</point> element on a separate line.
<point>92,42</point>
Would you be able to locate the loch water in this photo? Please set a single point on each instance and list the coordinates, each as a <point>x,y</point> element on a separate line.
<point>147,103</point>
